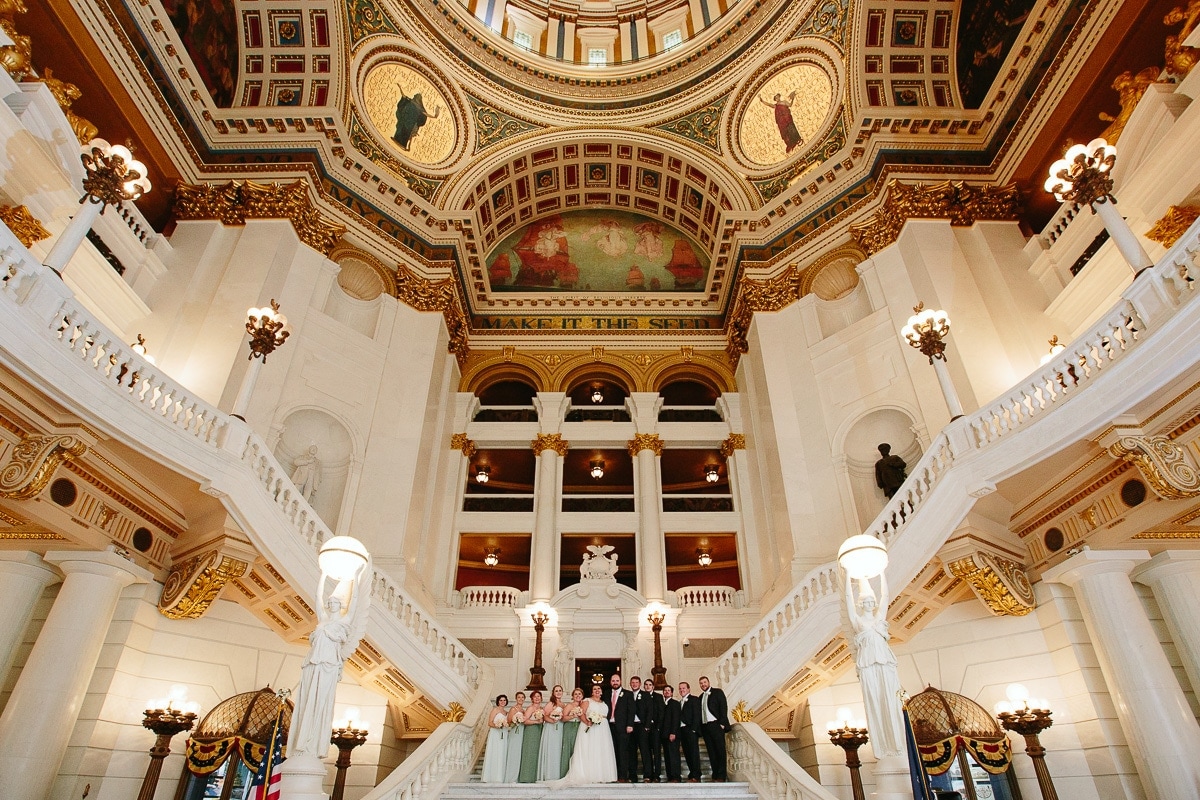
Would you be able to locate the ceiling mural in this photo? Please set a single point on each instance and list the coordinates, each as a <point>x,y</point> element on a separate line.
<point>985,35</point>
<point>597,250</point>
<point>792,106</point>
<point>209,32</point>
<point>409,112</point>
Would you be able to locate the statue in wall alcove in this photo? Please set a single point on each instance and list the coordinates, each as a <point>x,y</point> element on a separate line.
<point>598,565</point>
<point>306,473</point>
<point>890,471</point>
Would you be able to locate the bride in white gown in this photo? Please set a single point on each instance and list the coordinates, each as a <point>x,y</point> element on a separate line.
<point>593,760</point>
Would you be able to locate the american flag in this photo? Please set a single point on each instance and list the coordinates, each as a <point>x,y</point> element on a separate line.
<point>267,779</point>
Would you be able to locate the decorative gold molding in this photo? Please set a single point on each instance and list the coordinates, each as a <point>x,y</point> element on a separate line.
<point>645,441</point>
<point>1180,58</point>
<point>1130,89</point>
<point>66,94</point>
<point>460,441</point>
<point>454,712</point>
<point>549,441</point>
<point>25,226</point>
<point>441,295</point>
<point>16,58</point>
<point>1173,224</point>
<point>235,202</point>
<point>193,585</point>
<point>1165,465</point>
<point>734,441</point>
<point>999,582</point>
<point>34,460</point>
<point>741,712</point>
<point>561,370</point>
<point>1182,533</point>
<point>772,294</point>
<point>958,201</point>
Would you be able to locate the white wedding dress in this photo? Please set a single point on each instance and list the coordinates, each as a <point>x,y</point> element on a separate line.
<point>593,760</point>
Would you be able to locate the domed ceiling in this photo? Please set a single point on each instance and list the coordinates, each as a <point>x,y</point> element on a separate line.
<point>595,167</point>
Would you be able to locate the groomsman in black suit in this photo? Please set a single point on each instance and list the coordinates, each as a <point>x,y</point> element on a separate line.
<point>714,716</point>
<point>669,734</point>
<point>689,730</point>
<point>620,713</point>
<point>658,708</point>
<point>638,729</point>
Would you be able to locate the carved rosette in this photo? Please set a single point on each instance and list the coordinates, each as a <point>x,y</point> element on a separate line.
<point>734,441</point>
<point>237,201</point>
<point>459,441</point>
<point>645,441</point>
<point>193,585</point>
<point>550,441</point>
<point>454,712</point>
<point>25,226</point>
<point>999,582</point>
<point>1165,465</point>
<point>1173,224</point>
<point>33,462</point>
<point>741,712</point>
<point>960,202</point>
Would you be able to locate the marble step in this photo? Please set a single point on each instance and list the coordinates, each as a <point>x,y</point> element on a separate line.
<point>599,791</point>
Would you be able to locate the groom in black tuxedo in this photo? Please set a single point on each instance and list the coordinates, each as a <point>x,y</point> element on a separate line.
<point>714,724</point>
<point>620,712</point>
<point>658,709</point>
<point>668,732</point>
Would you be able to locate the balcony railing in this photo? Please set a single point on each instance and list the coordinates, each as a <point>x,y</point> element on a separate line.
<point>689,414</point>
<point>597,503</point>
<point>597,414</point>
<point>708,597</point>
<point>488,597</point>
<point>506,414</point>
<point>502,503</point>
<point>692,503</point>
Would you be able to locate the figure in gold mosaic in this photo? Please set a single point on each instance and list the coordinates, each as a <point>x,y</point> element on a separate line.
<point>789,108</point>
<point>409,112</point>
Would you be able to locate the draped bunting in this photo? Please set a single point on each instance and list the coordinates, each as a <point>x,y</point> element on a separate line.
<point>937,757</point>
<point>206,757</point>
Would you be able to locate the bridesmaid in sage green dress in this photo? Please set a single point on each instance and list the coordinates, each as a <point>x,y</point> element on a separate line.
<point>531,743</point>
<point>549,768</point>
<point>516,733</point>
<point>572,713</point>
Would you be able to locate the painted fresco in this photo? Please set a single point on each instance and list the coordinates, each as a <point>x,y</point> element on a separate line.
<point>986,32</point>
<point>209,32</point>
<point>787,110</point>
<point>594,250</point>
<point>409,112</point>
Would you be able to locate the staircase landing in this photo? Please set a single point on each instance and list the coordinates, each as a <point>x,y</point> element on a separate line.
<point>599,791</point>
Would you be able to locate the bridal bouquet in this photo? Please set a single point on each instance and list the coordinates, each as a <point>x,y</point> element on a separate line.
<point>556,715</point>
<point>594,718</point>
<point>519,719</point>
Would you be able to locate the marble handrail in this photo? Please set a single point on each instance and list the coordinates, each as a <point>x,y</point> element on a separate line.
<point>756,759</point>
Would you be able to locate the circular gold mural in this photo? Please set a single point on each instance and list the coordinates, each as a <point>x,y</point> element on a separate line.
<point>410,112</point>
<point>786,111</point>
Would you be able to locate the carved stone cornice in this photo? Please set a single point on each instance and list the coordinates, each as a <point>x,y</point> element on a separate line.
<point>460,442</point>
<point>550,441</point>
<point>645,441</point>
<point>1173,224</point>
<point>440,295</point>
<point>772,294</point>
<point>734,441</point>
<point>997,581</point>
<point>34,460</point>
<point>25,226</point>
<point>1165,465</point>
<point>193,585</point>
<point>237,201</point>
<point>960,202</point>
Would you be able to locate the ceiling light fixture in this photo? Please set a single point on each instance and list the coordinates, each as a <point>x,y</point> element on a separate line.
<point>597,469</point>
<point>712,473</point>
<point>493,556</point>
<point>703,556</point>
<point>482,473</point>
<point>597,395</point>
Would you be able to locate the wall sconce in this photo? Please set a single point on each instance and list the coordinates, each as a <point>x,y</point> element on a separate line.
<point>686,642</point>
<point>493,556</point>
<point>597,395</point>
<point>703,556</point>
<point>483,473</point>
<point>712,473</point>
<point>509,642</point>
<point>597,469</point>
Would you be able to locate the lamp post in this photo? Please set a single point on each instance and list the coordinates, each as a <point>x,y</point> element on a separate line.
<point>345,738</point>
<point>1029,718</point>
<point>1084,176</point>
<point>537,672</point>
<point>268,331</point>
<point>926,331</point>
<point>112,176</point>
<point>656,618</point>
<point>850,735</point>
<point>164,722</point>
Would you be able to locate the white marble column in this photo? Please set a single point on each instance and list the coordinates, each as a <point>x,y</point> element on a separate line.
<point>652,569</point>
<point>45,702</point>
<point>1158,724</point>
<point>543,564</point>
<point>23,576</point>
<point>1174,577</point>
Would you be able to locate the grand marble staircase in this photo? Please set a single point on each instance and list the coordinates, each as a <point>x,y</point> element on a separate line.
<point>599,791</point>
